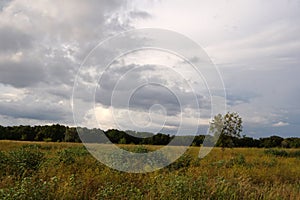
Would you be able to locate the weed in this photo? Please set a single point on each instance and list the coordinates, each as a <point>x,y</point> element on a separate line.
<point>276,152</point>
<point>282,153</point>
<point>25,160</point>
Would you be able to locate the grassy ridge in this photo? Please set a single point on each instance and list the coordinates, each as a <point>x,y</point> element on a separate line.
<point>31,170</point>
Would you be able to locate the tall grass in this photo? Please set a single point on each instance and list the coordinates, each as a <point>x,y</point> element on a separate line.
<point>61,171</point>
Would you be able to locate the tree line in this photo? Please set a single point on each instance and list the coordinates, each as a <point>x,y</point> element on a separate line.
<point>61,133</point>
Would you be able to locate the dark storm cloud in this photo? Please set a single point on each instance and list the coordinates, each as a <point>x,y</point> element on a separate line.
<point>21,74</point>
<point>63,92</point>
<point>173,99</point>
<point>33,110</point>
<point>140,86</point>
<point>132,73</point>
<point>41,51</point>
<point>13,40</point>
<point>150,95</point>
<point>60,71</point>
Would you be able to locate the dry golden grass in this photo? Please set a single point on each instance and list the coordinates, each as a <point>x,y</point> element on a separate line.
<point>241,173</point>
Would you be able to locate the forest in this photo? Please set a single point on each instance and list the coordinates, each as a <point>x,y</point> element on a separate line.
<point>61,133</point>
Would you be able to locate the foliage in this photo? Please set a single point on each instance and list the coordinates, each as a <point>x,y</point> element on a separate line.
<point>26,189</point>
<point>226,128</point>
<point>140,149</point>
<point>236,160</point>
<point>147,161</point>
<point>240,173</point>
<point>3,162</point>
<point>230,125</point>
<point>182,162</point>
<point>23,161</point>
<point>271,141</point>
<point>282,153</point>
<point>68,156</point>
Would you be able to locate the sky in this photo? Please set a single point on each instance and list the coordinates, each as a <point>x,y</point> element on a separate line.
<point>254,44</point>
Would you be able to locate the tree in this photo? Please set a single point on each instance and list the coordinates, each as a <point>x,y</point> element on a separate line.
<point>273,141</point>
<point>71,135</point>
<point>226,128</point>
<point>122,141</point>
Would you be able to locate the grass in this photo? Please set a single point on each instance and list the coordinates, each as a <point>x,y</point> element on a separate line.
<point>68,171</point>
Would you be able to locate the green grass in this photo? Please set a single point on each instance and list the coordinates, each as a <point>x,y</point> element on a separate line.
<point>67,171</point>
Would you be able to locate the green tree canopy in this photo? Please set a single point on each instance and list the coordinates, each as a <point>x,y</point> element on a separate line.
<point>226,127</point>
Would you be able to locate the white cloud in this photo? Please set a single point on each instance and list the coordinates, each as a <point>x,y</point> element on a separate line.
<point>11,94</point>
<point>280,124</point>
<point>152,120</point>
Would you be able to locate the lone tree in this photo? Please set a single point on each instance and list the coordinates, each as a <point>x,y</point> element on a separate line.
<point>226,128</point>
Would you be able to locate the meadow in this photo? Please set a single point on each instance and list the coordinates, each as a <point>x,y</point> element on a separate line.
<point>46,170</point>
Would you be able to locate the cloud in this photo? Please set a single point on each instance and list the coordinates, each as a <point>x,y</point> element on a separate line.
<point>275,42</point>
<point>139,87</point>
<point>34,110</point>
<point>153,120</point>
<point>254,43</point>
<point>14,40</point>
<point>11,94</point>
<point>41,47</point>
<point>3,3</point>
<point>236,97</point>
<point>280,124</point>
<point>139,14</point>
<point>21,74</point>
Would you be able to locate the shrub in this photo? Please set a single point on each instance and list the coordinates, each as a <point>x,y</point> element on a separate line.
<point>136,149</point>
<point>137,158</point>
<point>276,152</point>
<point>182,162</point>
<point>67,156</point>
<point>219,163</point>
<point>25,160</point>
<point>29,188</point>
<point>140,149</point>
<point>239,159</point>
<point>3,162</point>
<point>282,153</point>
<point>272,163</point>
<point>295,154</point>
<point>79,151</point>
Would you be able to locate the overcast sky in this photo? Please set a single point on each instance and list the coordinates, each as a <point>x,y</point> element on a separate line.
<point>255,44</point>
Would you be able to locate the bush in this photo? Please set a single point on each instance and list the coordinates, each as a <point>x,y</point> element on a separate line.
<point>182,162</point>
<point>25,160</point>
<point>239,159</point>
<point>137,158</point>
<point>79,151</point>
<point>140,149</point>
<point>29,188</point>
<point>282,153</point>
<point>136,149</point>
<point>67,156</point>
<point>275,152</point>
<point>295,154</point>
<point>3,162</point>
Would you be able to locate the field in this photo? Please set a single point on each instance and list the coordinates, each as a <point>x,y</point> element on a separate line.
<point>31,170</point>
